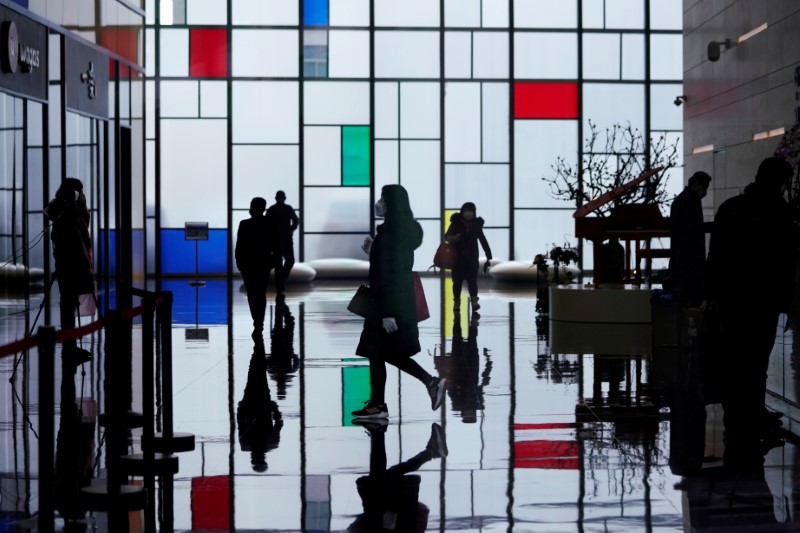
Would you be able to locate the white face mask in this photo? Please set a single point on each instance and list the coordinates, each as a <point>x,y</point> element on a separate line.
<point>380,208</point>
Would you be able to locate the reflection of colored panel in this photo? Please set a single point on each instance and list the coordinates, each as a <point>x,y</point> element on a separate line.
<point>206,305</point>
<point>448,313</point>
<point>355,155</point>
<point>177,254</point>
<point>318,503</point>
<point>546,100</point>
<point>208,52</point>
<point>355,391</point>
<point>553,425</point>
<point>211,503</point>
<point>551,454</point>
<point>315,12</point>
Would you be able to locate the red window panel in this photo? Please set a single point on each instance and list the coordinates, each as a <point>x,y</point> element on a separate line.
<point>546,100</point>
<point>211,498</point>
<point>124,41</point>
<point>208,52</point>
<point>550,454</point>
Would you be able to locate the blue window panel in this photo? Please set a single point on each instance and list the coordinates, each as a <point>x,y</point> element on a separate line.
<point>23,3</point>
<point>206,305</point>
<point>112,252</point>
<point>315,12</point>
<point>177,254</point>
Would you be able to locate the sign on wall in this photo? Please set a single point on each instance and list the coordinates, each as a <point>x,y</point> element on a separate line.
<point>23,55</point>
<point>87,78</point>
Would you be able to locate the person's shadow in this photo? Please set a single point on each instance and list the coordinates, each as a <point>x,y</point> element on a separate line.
<point>282,362</point>
<point>462,369</point>
<point>390,497</point>
<point>257,416</point>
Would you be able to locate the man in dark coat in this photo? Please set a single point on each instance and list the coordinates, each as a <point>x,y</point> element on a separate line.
<point>257,415</point>
<point>688,242</point>
<point>254,260</point>
<point>749,280</point>
<point>284,221</point>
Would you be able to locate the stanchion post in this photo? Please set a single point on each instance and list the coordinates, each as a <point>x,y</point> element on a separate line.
<point>166,394</point>
<point>47,353</point>
<point>116,427</point>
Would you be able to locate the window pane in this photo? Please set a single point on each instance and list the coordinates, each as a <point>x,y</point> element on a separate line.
<point>545,55</point>
<point>420,175</point>
<point>174,53</point>
<point>402,54</point>
<point>664,114</point>
<point>328,246</point>
<point>537,145</point>
<point>413,13</point>
<point>179,99</point>
<point>543,230</point>
<point>627,14</point>
<point>193,151</point>
<point>264,170</point>
<point>315,53</point>
<point>462,13</point>
<point>498,242</point>
<point>495,122</point>
<point>254,122</point>
<point>337,209</point>
<point>419,110</point>
<point>214,99</point>
<point>593,14</point>
<point>206,12</point>
<point>387,162</point>
<point>666,14</point>
<point>601,56</point>
<point>264,12</point>
<point>485,185</point>
<point>462,119</point>
<point>322,154</point>
<point>267,53</point>
<point>328,102</point>
<point>387,123</point>
<point>545,14</point>
<point>458,54</point>
<point>632,56</point>
<point>355,156</point>
<point>494,13</point>
<point>315,12</point>
<point>349,54</point>
<point>431,238</point>
<point>490,55</point>
<point>349,12</point>
<point>666,57</point>
<point>606,104</point>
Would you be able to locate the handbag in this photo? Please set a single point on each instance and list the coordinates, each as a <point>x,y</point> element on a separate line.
<point>363,302</point>
<point>422,303</point>
<point>446,256</point>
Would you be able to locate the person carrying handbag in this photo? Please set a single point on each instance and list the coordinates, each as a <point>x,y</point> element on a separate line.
<point>465,231</point>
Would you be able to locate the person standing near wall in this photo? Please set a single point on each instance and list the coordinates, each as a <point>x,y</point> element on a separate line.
<point>254,260</point>
<point>464,232</point>
<point>284,221</point>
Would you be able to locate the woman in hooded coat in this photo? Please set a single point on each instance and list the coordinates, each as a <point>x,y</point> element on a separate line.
<point>464,232</point>
<point>393,337</point>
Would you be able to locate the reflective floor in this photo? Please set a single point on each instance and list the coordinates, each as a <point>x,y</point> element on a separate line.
<point>527,440</point>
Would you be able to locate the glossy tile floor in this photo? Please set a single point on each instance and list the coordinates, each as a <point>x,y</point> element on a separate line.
<point>536,441</point>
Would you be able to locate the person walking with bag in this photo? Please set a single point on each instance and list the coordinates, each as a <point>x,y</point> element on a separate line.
<point>464,232</point>
<point>393,336</point>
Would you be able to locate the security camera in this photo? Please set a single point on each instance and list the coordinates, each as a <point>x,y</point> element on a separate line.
<point>679,100</point>
<point>715,50</point>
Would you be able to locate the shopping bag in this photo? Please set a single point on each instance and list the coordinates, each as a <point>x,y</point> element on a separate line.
<point>446,256</point>
<point>422,303</point>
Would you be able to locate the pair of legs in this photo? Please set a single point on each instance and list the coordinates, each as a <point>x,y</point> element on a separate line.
<point>284,266</point>
<point>376,406</point>
<point>256,286</point>
<point>68,303</point>
<point>460,275</point>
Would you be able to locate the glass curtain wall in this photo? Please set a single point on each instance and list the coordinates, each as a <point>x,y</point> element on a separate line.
<point>329,100</point>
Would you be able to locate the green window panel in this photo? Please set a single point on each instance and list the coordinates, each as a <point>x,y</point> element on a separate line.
<point>355,391</point>
<point>355,156</point>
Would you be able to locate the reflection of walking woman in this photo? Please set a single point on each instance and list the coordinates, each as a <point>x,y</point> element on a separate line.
<point>464,232</point>
<point>393,338</point>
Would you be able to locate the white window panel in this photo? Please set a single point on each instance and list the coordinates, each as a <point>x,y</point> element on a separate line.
<point>264,12</point>
<point>150,52</point>
<point>349,12</point>
<point>214,99</point>
<point>149,102</point>
<point>423,256</point>
<point>268,53</point>
<point>348,54</point>
<point>545,14</point>
<point>339,246</point>
<point>193,151</point>
<point>174,53</point>
<point>490,58</point>
<point>625,14</point>
<point>179,99</point>
<point>494,13</point>
<point>458,54</point>
<point>666,57</point>
<point>336,102</point>
<point>336,209</point>
<point>262,170</point>
<point>561,61</point>
<point>206,12</point>
<point>593,14</point>
<point>601,60</point>
<point>495,112</point>
<point>420,174</point>
<point>664,114</point>
<point>387,163</point>
<point>462,13</point>
<point>254,122</point>
<point>486,185</point>
<point>632,56</point>
<point>409,13</point>
<point>608,103</point>
<point>537,145</point>
<point>666,14</point>
<point>462,119</point>
<point>387,120</point>
<point>498,241</point>
<point>405,54</point>
<point>419,111</point>
<point>322,154</point>
<point>537,232</point>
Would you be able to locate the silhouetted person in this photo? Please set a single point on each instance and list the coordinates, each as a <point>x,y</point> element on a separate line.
<point>749,280</point>
<point>391,497</point>
<point>257,416</point>
<point>612,261</point>
<point>465,381</point>
<point>282,363</point>
<point>285,222</point>
<point>464,232</point>
<point>254,259</point>
<point>688,243</point>
<point>72,250</point>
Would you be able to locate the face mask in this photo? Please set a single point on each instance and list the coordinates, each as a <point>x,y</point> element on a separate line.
<point>379,211</point>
